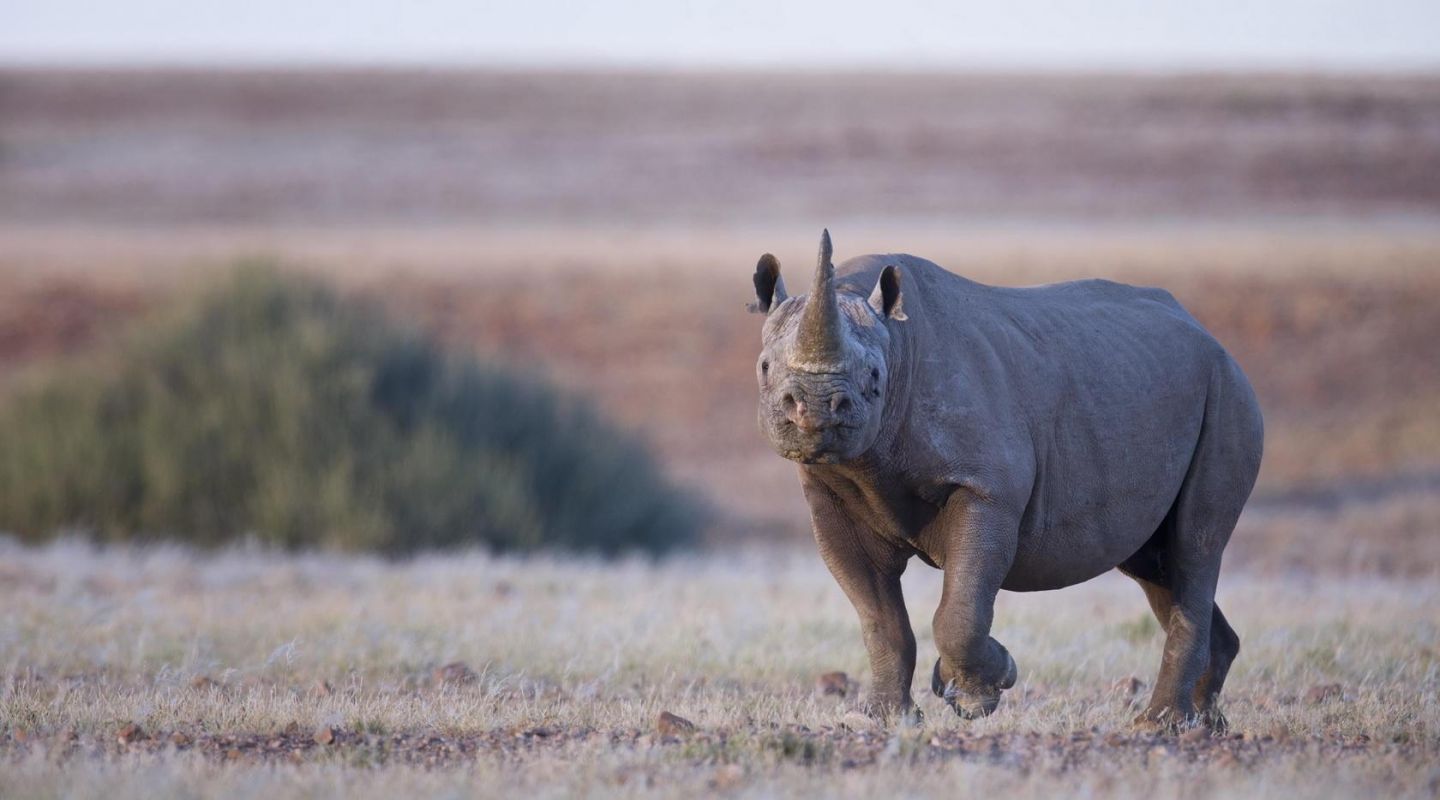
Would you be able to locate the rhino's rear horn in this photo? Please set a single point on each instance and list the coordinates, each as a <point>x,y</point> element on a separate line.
<point>821,338</point>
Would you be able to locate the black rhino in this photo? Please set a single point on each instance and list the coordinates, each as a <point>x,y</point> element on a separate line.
<point>1020,439</point>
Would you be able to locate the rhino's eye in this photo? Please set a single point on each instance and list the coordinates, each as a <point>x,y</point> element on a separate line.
<point>875,374</point>
<point>765,367</point>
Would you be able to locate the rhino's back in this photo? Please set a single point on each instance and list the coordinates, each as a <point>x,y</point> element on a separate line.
<point>1090,323</point>
<point>1093,392</point>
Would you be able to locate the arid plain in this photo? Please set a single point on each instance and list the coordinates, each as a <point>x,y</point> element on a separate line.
<point>601,229</point>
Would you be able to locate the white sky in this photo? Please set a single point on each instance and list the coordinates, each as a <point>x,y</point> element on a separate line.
<point>1339,34</point>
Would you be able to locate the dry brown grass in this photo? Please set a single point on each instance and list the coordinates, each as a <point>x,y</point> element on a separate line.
<point>574,659</point>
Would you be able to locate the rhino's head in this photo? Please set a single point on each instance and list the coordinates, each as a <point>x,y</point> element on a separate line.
<point>823,368</point>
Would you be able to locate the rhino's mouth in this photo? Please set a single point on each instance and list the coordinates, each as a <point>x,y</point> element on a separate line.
<point>822,447</point>
<point>822,457</point>
<point>825,451</point>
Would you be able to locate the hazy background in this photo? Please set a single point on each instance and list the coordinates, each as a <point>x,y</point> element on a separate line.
<point>580,191</point>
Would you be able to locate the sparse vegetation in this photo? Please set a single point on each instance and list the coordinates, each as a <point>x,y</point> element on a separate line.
<point>272,675</point>
<point>276,409</point>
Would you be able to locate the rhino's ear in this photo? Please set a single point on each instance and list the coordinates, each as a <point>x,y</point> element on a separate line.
<point>769,288</point>
<point>886,299</point>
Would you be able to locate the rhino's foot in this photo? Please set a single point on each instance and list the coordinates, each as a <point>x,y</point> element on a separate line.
<point>912,717</point>
<point>888,712</point>
<point>1153,725</point>
<point>973,704</point>
<point>1168,721</point>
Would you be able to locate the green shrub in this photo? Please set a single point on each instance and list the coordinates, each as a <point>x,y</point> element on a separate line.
<point>275,408</point>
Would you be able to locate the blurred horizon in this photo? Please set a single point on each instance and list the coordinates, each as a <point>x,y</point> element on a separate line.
<point>1029,35</point>
<point>1266,165</point>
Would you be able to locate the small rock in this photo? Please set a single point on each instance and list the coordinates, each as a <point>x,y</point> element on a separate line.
<point>131,733</point>
<point>1195,735</point>
<point>179,739</point>
<point>671,725</point>
<point>1319,694</point>
<point>836,683</point>
<point>325,735</point>
<point>911,720</point>
<point>727,777</point>
<point>454,673</point>
<point>1128,687</point>
<point>858,722</point>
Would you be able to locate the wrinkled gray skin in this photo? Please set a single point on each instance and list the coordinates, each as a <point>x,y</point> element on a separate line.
<point>1019,439</point>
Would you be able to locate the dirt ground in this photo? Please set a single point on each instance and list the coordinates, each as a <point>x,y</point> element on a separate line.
<point>142,672</point>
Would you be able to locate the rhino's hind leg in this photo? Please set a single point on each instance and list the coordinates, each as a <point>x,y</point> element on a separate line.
<point>1147,570</point>
<point>1186,657</point>
<point>1224,647</point>
<point>1180,565</point>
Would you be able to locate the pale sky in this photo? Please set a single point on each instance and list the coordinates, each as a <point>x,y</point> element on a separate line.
<point>1153,34</point>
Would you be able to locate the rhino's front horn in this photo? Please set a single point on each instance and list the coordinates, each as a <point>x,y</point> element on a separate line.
<point>821,337</point>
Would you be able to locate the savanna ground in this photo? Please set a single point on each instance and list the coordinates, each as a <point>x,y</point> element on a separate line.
<point>601,229</point>
<point>252,673</point>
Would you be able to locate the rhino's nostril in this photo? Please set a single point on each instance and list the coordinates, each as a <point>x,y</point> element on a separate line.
<point>840,405</point>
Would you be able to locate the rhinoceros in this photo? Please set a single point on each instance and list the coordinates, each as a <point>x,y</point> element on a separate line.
<point>1015,438</point>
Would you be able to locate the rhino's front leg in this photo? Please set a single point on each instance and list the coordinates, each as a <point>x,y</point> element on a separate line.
<point>979,546</point>
<point>868,570</point>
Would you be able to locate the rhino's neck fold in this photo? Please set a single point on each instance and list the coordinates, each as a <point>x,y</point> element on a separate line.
<point>900,356</point>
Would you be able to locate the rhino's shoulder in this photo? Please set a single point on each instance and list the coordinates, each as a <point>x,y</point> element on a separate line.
<point>916,274</point>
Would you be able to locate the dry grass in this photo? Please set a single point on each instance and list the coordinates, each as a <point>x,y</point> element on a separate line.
<point>231,649</point>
